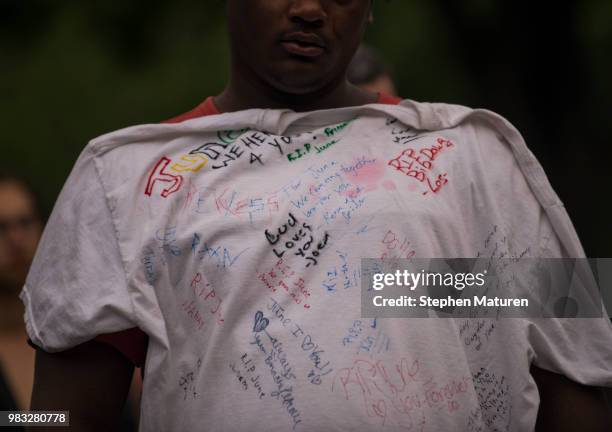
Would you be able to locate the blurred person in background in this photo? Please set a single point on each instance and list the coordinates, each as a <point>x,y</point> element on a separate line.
<point>20,229</point>
<point>21,225</point>
<point>369,71</point>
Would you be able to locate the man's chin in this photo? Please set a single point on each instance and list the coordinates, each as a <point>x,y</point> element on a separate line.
<point>300,85</point>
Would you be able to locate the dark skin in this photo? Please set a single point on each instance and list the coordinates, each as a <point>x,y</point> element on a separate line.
<point>271,69</point>
<point>265,74</point>
<point>568,406</point>
<point>91,381</point>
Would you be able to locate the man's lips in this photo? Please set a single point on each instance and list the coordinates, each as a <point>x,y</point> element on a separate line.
<point>302,50</point>
<point>303,44</point>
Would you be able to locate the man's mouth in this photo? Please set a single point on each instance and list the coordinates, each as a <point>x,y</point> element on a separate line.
<point>303,44</point>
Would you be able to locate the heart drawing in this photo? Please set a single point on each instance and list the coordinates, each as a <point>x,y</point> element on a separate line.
<point>260,322</point>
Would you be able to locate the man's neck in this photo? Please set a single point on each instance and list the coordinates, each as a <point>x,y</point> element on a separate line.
<point>241,95</point>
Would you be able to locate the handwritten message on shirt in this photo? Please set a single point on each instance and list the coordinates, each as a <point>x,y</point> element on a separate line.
<point>293,235</point>
<point>281,276</point>
<point>311,348</point>
<point>419,164</point>
<point>399,393</point>
<point>280,369</point>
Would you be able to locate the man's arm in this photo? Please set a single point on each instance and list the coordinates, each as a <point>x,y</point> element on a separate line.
<point>568,406</point>
<point>91,381</point>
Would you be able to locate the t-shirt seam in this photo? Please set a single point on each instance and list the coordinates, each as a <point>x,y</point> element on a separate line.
<point>98,169</point>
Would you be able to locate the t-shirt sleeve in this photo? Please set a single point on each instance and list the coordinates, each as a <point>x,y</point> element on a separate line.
<point>578,348</point>
<point>76,288</point>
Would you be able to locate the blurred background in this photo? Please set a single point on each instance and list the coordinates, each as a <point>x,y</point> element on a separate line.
<point>71,70</point>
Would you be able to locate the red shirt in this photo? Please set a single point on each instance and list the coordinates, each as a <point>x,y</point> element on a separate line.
<point>208,108</point>
<point>133,342</point>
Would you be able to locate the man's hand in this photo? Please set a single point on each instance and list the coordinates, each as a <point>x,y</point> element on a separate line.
<point>91,381</point>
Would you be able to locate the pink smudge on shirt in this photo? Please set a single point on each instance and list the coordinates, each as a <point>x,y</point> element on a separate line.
<point>389,185</point>
<point>369,174</point>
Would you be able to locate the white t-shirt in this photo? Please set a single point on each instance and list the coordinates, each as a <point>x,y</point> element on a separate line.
<point>234,241</point>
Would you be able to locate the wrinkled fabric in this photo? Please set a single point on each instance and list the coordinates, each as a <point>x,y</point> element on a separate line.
<point>234,242</point>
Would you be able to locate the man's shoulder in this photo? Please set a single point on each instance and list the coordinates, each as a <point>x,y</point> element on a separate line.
<point>205,108</point>
<point>436,116</point>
